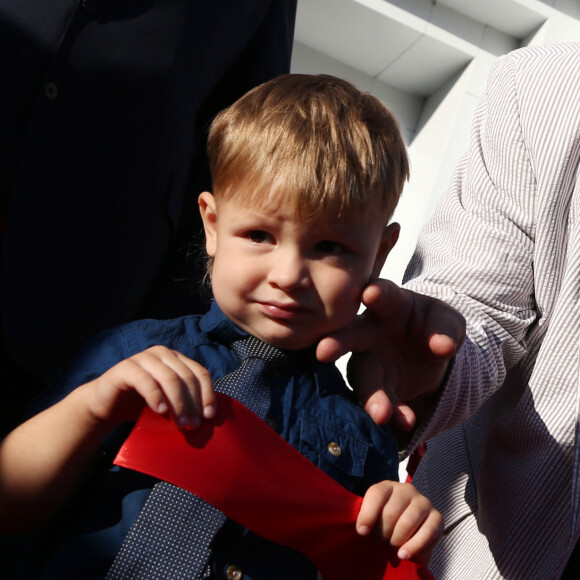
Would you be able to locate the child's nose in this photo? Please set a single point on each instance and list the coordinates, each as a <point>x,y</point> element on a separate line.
<point>289,270</point>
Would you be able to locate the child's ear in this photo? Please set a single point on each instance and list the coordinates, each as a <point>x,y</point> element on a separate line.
<point>208,213</point>
<point>388,241</point>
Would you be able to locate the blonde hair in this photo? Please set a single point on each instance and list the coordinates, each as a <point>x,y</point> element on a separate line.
<point>313,141</point>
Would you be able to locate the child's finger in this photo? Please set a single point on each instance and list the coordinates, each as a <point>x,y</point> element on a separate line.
<point>188,396</point>
<point>178,384</point>
<point>420,546</point>
<point>193,397</point>
<point>204,384</point>
<point>372,506</point>
<point>150,391</point>
<point>411,519</point>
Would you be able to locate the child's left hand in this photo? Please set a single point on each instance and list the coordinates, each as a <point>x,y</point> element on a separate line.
<point>403,517</point>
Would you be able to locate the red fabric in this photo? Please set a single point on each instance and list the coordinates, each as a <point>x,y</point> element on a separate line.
<point>241,466</point>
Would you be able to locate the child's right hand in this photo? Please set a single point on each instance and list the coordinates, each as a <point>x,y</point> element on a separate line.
<point>164,379</point>
<point>44,460</point>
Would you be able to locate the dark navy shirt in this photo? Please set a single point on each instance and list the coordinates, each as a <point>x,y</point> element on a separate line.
<point>312,409</point>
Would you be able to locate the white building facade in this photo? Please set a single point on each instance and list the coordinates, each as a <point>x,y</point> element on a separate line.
<point>428,61</point>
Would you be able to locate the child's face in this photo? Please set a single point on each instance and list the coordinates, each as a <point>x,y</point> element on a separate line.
<point>286,280</point>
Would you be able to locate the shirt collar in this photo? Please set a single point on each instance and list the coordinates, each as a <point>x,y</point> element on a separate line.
<point>219,327</point>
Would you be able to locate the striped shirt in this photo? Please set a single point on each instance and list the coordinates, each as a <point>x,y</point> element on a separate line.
<point>503,248</point>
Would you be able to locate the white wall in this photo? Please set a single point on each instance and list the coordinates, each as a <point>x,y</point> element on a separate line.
<point>428,60</point>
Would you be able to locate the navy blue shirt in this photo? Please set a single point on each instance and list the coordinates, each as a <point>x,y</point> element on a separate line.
<point>311,409</point>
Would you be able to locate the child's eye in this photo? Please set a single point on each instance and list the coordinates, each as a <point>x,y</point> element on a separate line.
<point>330,247</point>
<point>259,236</point>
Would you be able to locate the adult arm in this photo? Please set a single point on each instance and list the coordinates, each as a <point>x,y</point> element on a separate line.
<point>475,255</point>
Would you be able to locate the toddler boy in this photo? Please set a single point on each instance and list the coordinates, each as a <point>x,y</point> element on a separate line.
<point>307,171</point>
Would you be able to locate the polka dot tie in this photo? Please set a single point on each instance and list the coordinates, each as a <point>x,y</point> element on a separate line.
<point>171,536</point>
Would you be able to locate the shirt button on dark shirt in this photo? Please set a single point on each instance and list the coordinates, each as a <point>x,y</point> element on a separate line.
<point>234,573</point>
<point>334,448</point>
<point>50,91</point>
<point>89,5</point>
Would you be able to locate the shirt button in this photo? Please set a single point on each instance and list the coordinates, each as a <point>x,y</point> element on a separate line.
<point>50,91</point>
<point>234,573</point>
<point>334,448</point>
<point>89,5</point>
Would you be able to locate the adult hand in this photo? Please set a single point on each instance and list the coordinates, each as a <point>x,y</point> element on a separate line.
<point>401,345</point>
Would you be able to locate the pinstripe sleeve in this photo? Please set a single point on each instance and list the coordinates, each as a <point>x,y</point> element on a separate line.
<point>504,248</point>
<point>476,253</point>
